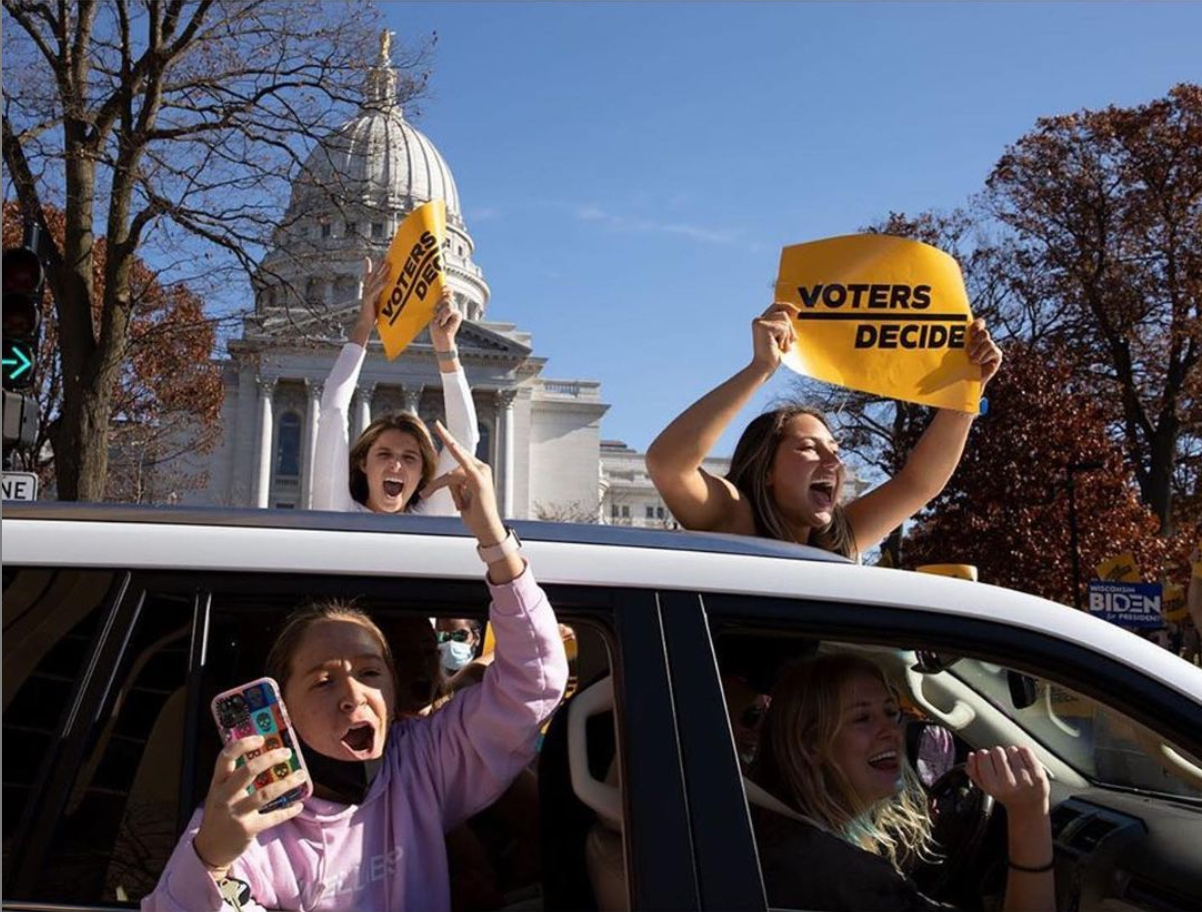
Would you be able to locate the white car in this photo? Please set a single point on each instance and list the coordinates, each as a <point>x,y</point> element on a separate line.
<point>121,622</point>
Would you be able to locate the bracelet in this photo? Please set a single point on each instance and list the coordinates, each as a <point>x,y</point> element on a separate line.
<point>449,355</point>
<point>1043,869</point>
<point>510,544</point>
<point>218,873</point>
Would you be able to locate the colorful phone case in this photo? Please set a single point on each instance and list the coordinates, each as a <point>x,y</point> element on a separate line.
<point>258,709</point>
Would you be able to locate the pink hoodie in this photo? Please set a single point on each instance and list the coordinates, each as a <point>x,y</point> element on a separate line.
<point>389,852</point>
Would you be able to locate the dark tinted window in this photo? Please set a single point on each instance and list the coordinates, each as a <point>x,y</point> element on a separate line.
<point>120,822</point>
<point>51,622</point>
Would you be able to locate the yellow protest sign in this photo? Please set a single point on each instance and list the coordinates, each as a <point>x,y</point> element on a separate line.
<point>1173,605</point>
<point>956,571</point>
<point>881,314</point>
<point>1121,568</point>
<point>415,277</point>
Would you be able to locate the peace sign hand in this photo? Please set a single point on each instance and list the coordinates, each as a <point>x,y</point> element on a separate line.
<point>471,487</point>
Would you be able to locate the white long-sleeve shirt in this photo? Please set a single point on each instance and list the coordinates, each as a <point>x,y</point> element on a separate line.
<point>331,465</point>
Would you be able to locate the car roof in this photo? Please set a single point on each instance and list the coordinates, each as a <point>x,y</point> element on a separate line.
<point>410,523</point>
<point>310,542</point>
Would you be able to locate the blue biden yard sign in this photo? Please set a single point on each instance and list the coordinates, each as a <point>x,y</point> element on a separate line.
<point>1135,605</point>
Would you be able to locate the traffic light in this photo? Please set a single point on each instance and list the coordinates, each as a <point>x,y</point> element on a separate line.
<point>23,279</point>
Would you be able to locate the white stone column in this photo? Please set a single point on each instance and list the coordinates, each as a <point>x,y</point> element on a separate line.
<point>413,399</point>
<point>263,451</point>
<point>314,411</point>
<point>363,397</point>
<point>505,428</point>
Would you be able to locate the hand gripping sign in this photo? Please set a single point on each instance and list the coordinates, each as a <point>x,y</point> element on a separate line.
<point>415,277</point>
<point>881,314</point>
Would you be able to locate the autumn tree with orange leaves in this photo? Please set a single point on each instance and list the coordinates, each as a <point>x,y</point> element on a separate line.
<point>1006,509</point>
<point>168,396</point>
<point>1105,209</point>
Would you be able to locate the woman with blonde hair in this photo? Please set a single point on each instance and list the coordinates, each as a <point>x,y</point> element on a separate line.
<point>786,477</point>
<point>393,461</point>
<point>838,810</point>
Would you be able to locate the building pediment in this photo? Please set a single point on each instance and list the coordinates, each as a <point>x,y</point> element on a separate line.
<point>494,342</point>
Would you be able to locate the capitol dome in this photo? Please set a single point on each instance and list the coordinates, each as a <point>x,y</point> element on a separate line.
<point>356,186</point>
<point>378,157</point>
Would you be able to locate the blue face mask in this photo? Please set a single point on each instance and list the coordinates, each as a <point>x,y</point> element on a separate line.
<point>454,655</point>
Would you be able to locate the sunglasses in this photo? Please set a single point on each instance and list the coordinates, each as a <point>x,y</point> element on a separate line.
<point>458,636</point>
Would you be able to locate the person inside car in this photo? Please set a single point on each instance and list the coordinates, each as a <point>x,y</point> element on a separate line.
<point>786,477</point>
<point>386,790</point>
<point>839,811</point>
<point>390,467</point>
<point>459,641</point>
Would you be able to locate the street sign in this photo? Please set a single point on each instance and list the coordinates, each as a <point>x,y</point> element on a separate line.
<point>20,486</point>
<point>1132,605</point>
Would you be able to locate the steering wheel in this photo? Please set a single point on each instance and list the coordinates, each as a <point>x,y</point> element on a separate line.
<point>960,814</point>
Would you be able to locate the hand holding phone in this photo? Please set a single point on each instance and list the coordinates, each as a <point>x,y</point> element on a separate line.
<point>257,708</point>
<point>260,778</point>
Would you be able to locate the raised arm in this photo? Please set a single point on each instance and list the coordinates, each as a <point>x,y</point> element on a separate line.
<point>699,500</point>
<point>457,401</point>
<point>331,470</point>
<point>487,734</point>
<point>930,464</point>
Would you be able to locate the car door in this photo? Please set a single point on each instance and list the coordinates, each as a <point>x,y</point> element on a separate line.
<point>781,630</point>
<point>98,673</point>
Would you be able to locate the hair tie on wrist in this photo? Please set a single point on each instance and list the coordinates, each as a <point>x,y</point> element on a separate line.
<point>983,408</point>
<point>449,355</point>
<point>1043,869</point>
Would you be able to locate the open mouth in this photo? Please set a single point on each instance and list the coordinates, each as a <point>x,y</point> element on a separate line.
<point>822,493</point>
<point>361,738</point>
<point>393,487</point>
<point>886,761</point>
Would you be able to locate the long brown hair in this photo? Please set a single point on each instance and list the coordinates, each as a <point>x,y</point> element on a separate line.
<point>406,424</point>
<point>795,763</point>
<point>279,659</point>
<point>749,470</point>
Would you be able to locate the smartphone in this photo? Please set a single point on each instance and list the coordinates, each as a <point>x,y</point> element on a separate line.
<point>257,708</point>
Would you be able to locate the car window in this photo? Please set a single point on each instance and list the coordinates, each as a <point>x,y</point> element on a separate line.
<point>950,705</point>
<point>51,624</point>
<point>1100,742</point>
<point>501,857</point>
<point>119,824</point>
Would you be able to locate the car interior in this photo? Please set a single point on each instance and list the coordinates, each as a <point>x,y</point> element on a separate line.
<point>1126,805</point>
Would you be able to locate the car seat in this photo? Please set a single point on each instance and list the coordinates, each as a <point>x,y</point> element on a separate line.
<point>580,805</point>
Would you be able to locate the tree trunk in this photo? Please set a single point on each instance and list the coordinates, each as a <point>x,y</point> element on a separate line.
<point>1156,487</point>
<point>84,421</point>
<point>81,449</point>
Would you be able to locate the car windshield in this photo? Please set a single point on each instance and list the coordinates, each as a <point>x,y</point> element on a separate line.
<point>1100,743</point>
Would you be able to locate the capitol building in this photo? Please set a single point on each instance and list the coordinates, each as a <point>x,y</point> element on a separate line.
<point>541,435</point>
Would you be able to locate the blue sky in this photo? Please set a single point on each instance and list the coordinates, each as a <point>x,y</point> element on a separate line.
<point>630,171</point>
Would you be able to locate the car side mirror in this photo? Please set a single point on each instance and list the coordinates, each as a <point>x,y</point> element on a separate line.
<point>1024,692</point>
<point>931,750</point>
